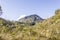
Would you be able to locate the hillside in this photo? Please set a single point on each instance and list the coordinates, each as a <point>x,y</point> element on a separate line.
<point>49,29</point>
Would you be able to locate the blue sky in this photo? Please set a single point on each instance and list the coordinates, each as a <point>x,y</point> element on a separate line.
<point>13,9</point>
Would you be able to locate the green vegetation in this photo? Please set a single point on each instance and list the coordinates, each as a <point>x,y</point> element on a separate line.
<point>49,29</point>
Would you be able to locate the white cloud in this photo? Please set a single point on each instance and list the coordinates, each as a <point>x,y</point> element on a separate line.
<point>22,16</point>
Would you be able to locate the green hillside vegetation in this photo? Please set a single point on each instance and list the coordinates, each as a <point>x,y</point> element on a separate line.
<point>49,29</point>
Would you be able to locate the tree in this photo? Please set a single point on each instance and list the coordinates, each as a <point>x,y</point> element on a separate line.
<point>57,11</point>
<point>0,11</point>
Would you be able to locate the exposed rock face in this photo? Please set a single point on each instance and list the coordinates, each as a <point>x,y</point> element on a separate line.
<point>31,19</point>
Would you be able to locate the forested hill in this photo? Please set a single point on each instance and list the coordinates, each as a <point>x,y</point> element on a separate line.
<point>49,29</point>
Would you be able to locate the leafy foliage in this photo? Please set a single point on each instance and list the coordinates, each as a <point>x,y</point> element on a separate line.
<point>0,10</point>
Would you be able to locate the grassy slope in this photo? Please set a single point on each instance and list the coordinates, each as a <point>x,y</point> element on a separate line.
<point>49,29</point>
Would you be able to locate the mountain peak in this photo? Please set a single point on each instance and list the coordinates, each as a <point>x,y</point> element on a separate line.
<point>31,19</point>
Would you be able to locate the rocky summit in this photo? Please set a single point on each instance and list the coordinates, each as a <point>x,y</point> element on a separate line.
<point>31,19</point>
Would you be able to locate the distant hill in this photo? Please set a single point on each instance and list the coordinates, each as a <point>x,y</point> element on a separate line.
<point>6,23</point>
